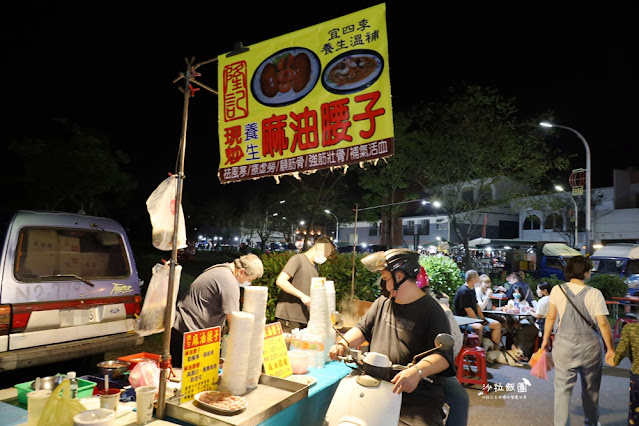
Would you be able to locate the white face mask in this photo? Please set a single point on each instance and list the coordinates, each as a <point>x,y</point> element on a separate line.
<point>245,284</point>
<point>319,259</point>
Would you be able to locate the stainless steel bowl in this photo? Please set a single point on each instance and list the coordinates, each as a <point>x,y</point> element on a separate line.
<point>113,367</point>
<point>49,382</point>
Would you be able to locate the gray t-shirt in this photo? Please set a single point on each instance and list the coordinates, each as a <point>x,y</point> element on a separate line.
<point>290,307</point>
<point>213,295</point>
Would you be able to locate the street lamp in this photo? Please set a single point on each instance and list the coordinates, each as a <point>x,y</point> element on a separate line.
<point>561,189</point>
<point>336,225</point>
<point>588,175</point>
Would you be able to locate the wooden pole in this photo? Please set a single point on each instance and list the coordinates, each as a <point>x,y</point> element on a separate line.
<point>166,342</point>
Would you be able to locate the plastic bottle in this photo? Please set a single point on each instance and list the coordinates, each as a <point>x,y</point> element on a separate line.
<point>74,384</point>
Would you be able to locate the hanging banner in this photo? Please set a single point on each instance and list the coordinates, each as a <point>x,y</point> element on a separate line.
<point>313,99</point>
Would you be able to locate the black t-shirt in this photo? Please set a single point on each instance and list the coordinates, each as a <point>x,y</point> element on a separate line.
<point>465,298</point>
<point>403,331</point>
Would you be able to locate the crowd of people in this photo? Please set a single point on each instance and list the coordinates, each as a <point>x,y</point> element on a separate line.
<point>570,317</point>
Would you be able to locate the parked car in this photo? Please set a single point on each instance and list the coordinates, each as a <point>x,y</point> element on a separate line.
<point>619,259</point>
<point>69,288</point>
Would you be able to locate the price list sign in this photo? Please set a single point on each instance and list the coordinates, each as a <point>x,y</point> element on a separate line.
<point>200,362</point>
<point>276,361</point>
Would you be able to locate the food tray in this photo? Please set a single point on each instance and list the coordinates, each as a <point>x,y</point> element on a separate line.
<point>304,379</point>
<point>85,389</point>
<point>219,410</point>
<point>139,357</point>
<point>271,396</point>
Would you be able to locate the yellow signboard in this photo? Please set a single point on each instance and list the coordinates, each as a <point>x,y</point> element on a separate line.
<point>276,362</point>
<point>200,362</point>
<point>313,99</point>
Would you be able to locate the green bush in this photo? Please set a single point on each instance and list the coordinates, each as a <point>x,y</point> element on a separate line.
<point>339,269</point>
<point>443,274</point>
<point>609,285</point>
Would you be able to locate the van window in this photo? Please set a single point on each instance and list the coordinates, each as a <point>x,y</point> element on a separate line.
<point>53,251</point>
<point>554,262</point>
<point>633,267</point>
<point>608,266</point>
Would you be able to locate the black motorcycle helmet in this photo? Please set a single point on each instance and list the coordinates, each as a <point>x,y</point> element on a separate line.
<point>394,260</point>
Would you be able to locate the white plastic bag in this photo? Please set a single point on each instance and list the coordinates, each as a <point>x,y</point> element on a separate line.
<point>155,301</point>
<point>146,373</point>
<point>161,207</point>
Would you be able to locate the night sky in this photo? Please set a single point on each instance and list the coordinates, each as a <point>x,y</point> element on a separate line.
<point>113,69</point>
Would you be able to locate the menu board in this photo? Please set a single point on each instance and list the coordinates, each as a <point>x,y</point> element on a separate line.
<point>276,362</point>
<point>200,362</point>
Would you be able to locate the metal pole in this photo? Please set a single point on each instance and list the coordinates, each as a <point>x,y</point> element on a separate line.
<point>588,180</point>
<point>354,252</point>
<point>576,223</point>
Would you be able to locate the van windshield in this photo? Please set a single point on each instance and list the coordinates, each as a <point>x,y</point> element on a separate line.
<point>608,266</point>
<point>55,251</point>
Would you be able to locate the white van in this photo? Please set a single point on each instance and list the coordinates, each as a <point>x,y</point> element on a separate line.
<point>69,288</point>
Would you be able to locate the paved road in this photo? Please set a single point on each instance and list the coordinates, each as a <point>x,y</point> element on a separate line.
<point>533,405</point>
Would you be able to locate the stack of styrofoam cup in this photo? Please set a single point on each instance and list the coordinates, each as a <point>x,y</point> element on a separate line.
<point>330,331</point>
<point>330,296</point>
<point>237,356</point>
<point>317,324</point>
<point>255,298</point>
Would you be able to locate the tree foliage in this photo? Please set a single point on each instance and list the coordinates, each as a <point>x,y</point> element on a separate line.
<point>471,143</point>
<point>309,195</point>
<point>70,168</point>
<point>388,177</point>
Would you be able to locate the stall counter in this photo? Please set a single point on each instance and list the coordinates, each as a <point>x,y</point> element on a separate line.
<point>308,411</point>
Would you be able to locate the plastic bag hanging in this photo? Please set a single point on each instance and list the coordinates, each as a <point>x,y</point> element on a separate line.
<point>161,208</point>
<point>155,302</point>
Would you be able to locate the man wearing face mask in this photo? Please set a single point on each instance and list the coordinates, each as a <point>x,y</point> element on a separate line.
<point>402,325</point>
<point>211,299</point>
<point>293,302</point>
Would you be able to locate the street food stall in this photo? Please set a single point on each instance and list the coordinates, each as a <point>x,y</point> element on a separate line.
<point>345,87</point>
<point>272,96</point>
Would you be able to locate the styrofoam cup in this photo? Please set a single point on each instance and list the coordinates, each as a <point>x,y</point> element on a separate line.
<point>109,398</point>
<point>36,401</point>
<point>144,397</point>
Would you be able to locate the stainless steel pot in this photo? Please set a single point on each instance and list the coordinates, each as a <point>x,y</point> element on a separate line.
<point>113,367</point>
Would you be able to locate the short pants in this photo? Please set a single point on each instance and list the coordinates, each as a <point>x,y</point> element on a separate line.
<point>486,326</point>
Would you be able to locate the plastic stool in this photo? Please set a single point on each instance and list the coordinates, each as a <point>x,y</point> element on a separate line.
<point>472,340</point>
<point>619,325</point>
<point>466,360</point>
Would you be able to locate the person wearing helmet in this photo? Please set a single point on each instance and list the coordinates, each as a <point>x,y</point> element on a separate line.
<point>400,326</point>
